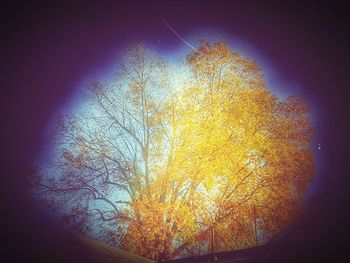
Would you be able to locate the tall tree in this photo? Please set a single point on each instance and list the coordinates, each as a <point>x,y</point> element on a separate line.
<point>166,168</point>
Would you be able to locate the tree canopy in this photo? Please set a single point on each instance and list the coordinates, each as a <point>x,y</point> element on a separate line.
<point>162,168</point>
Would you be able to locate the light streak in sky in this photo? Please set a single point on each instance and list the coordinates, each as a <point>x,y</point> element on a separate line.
<point>188,44</point>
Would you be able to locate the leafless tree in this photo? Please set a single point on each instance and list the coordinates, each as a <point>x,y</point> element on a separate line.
<point>104,151</point>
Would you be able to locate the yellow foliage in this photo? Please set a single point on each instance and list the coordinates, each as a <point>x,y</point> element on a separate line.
<point>232,147</point>
<point>154,227</point>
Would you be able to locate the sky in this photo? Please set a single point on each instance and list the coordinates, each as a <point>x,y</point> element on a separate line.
<point>48,50</point>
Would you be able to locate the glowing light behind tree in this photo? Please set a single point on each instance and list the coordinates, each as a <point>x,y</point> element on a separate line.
<point>164,165</point>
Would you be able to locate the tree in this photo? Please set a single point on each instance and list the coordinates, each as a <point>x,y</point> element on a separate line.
<point>167,167</point>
